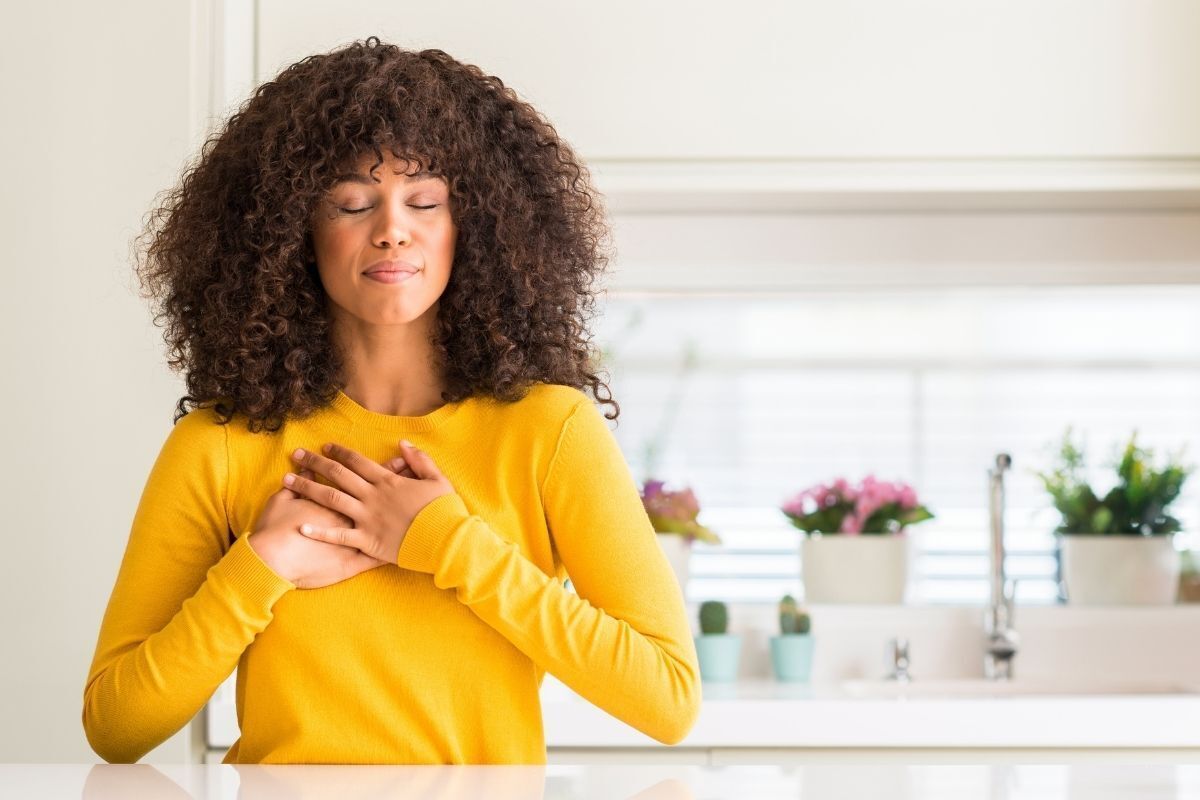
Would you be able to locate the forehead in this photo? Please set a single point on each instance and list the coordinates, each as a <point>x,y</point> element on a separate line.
<point>363,178</point>
<point>411,171</point>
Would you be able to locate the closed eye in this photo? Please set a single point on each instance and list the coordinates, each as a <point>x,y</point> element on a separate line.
<point>368,208</point>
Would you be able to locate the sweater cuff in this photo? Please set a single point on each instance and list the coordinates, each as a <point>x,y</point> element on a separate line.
<point>249,576</point>
<point>429,534</point>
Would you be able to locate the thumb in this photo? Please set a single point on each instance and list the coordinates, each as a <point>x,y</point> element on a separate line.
<point>419,461</point>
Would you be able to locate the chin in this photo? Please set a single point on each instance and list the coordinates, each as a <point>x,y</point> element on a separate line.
<point>399,317</point>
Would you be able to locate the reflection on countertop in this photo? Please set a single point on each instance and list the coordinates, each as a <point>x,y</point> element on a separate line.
<point>603,782</point>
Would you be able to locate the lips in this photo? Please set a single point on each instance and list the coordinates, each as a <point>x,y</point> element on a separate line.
<point>390,276</point>
<point>389,266</point>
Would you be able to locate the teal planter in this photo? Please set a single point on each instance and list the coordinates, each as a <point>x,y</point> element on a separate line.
<point>791,656</point>
<point>719,654</point>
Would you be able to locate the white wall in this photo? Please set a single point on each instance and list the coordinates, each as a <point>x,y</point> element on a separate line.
<point>770,79</point>
<point>96,99</point>
<point>100,105</point>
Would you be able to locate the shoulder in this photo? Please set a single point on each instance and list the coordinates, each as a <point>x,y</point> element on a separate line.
<point>200,433</point>
<point>200,427</point>
<point>568,414</point>
<point>548,413</point>
<point>547,403</point>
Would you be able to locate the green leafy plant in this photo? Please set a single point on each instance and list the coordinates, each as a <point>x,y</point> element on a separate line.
<point>1135,506</point>
<point>714,617</point>
<point>792,619</point>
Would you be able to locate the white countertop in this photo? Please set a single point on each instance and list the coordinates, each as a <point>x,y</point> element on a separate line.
<point>602,782</point>
<point>766,713</point>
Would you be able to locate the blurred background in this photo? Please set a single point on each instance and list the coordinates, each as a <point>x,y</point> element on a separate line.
<point>853,237</point>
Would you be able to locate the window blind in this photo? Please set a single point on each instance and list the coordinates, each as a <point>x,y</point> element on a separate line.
<point>748,398</point>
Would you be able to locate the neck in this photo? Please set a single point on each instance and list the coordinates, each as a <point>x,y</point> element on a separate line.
<point>391,369</point>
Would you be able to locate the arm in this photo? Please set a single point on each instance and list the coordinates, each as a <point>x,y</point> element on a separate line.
<point>181,613</point>
<point>623,642</point>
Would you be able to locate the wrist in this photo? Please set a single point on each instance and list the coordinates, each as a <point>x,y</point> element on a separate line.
<point>263,547</point>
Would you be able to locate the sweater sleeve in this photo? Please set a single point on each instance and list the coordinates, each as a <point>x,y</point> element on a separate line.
<point>185,604</point>
<point>623,641</point>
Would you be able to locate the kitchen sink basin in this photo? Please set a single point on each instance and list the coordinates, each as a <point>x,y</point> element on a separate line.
<point>1017,687</point>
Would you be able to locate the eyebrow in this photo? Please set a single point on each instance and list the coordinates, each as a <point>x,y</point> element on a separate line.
<point>354,177</point>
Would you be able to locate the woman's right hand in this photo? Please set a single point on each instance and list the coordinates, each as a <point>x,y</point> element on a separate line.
<point>309,563</point>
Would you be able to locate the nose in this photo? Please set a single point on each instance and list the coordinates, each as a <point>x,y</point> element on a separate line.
<point>394,227</point>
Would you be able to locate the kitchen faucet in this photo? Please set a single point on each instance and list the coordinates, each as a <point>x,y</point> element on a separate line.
<point>898,651</point>
<point>1000,640</point>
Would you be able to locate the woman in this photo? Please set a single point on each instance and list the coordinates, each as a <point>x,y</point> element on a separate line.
<point>376,279</point>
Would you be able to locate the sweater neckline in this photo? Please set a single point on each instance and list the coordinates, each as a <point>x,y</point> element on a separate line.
<point>359,416</point>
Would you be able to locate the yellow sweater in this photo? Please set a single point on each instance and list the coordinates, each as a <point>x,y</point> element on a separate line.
<point>435,660</point>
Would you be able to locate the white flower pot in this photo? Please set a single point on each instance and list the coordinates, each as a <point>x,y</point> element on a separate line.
<point>678,551</point>
<point>1108,570</point>
<point>870,568</point>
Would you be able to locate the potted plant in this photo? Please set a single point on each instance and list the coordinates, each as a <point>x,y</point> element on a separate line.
<point>673,515</point>
<point>1189,577</point>
<point>1117,548</point>
<point>856,547</point>
<point>792,649</point>
<point>718,650</point>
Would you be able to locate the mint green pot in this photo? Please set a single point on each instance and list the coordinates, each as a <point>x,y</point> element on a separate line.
<point>791,656</point>
<point>719,654</point>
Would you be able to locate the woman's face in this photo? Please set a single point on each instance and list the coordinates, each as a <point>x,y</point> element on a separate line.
<point>404,219</point>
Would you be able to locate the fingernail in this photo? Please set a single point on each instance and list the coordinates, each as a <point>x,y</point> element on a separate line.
<point>406,443</point>
<point>289,479</point>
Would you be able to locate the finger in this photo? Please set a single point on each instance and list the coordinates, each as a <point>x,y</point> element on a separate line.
<point>368,469</point>
<point>329,496</point>
<point>421,463</point>
<point>306,473</point>
<point>400,467</point>
<point>345,521</point>
<point>346,537</point>
<point>338,473</point>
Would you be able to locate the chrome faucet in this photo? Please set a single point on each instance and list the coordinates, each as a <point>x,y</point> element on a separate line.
<point>898,652</point>
<point>1000,640</point>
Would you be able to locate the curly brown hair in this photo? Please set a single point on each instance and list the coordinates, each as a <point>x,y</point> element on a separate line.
<point>230,260</point>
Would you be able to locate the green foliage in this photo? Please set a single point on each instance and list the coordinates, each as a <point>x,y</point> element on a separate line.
<point>792,620</point>
<point>1136,505</point>
<point>714,617</point>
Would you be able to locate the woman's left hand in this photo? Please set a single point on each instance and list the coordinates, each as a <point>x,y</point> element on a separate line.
<point>382,503</point>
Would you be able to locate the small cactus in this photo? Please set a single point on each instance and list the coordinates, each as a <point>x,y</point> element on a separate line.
<point>714,617</point>
<point>792,620</point>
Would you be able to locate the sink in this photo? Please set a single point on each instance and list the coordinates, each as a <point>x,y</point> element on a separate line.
<point>1016,687</point>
